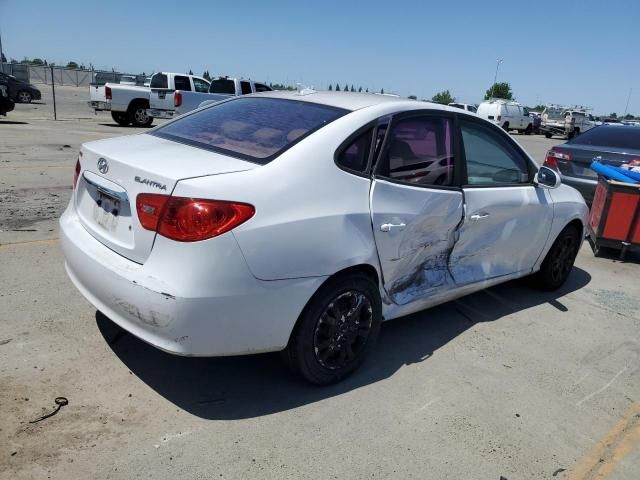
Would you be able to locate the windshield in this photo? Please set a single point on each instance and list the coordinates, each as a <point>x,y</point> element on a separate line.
<point>612,137</point>
<point>255,129</point>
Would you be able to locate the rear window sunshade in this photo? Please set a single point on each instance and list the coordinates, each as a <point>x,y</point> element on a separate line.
<point>254,129</point>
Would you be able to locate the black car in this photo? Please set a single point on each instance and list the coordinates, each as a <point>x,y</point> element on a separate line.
<point>608,144</point>
<point>6,104</point>
<point>20,91</point>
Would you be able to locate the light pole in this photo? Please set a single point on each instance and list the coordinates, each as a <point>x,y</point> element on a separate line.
<point>495,77</point>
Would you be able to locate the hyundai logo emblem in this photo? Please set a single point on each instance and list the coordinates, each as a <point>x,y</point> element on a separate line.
<point>103,166</point>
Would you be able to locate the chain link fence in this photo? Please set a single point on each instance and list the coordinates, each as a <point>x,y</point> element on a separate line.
<point>60,75</point>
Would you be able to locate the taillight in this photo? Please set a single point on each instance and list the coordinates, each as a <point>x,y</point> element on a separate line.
<point>190,219</point>
<point>107,93</point>
<point>554,155</point>
<point>177,99</point>
<point>76,174</point>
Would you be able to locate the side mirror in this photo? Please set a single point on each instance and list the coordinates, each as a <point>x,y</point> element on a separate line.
<point>547,178</point>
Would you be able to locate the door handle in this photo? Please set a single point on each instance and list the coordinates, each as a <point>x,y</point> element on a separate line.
<point>478,216</point>
<point>387,227</point>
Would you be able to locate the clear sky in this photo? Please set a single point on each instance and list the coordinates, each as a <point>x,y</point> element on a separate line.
<point>584,52</point>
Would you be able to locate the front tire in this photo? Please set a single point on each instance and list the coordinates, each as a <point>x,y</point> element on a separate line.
<point>336,330</point>
<point>24,96</point>
<point>547,135</point>
<point>528,130</point>
<point>506,126</point>
<point>559,261</point>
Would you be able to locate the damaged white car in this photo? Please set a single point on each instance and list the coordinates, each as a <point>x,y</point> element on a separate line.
<point>300,221</point>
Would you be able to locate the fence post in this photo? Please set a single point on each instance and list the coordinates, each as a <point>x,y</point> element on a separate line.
<point>53,91</point>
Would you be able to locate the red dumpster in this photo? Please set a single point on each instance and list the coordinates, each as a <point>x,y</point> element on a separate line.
<point>614,219</point>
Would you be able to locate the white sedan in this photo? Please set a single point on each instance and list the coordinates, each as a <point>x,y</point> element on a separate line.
<point>300,221</point>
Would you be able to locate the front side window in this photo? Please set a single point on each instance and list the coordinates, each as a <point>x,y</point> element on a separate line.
<point>419,150</point>
<point>356,155</point>
<point>255,129</point>
<point>182,83</point>
<point>200,85</point>
<point>490,159</point>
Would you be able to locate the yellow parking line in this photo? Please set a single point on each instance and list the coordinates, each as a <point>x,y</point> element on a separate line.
<point>28,242</point>
<point>603,458</point>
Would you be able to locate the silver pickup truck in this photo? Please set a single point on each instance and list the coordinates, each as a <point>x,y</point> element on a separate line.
<point>169,99</point>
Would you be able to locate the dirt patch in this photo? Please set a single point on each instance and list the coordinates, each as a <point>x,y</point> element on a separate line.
<point>23,207</point>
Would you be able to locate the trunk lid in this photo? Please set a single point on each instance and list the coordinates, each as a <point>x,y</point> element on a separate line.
<point>115,171</point>
<point>583,155</point>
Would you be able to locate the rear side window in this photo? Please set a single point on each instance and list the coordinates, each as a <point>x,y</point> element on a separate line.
<point>246,88</point>
<point>255,129</point>
<point>159,80</point>
<point>616,137</point>
<point>182,83</point>
<point>490,159</point>
<point>223,86</point>
<point>419,151</point>
<point>260,87</point>
<point>355,156</point>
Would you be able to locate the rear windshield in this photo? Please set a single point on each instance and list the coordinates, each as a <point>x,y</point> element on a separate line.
<point>223,86</point>
<point>616,137</point>
<point>255,129</point>
<point>159,80</point>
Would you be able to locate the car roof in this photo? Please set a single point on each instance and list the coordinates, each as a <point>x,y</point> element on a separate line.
<point>348,100</point>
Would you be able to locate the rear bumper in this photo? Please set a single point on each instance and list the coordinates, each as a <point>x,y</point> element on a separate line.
<point>157,113</point>
<point>196,299</point>
<point>99,106</point>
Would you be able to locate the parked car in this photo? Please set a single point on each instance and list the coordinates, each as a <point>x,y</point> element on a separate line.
<point>608,144</point>
<point>298,221</point>
<point>507,114</point>
<point>464,106</point>
<point>127,101</point>
<point>565,121</point>
<point>19,91</point>
<point>170,101</point>
<point>6,104</point>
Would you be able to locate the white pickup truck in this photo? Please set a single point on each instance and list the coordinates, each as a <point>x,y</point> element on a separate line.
<point>127,102</point>
<point>169,100</point>
<point>565,121</point>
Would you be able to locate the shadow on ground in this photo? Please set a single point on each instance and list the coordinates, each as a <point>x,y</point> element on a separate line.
<point>252,386</point>
<point>12,122</point>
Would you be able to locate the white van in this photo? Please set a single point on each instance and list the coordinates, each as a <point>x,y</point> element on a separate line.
<point>507,114</point>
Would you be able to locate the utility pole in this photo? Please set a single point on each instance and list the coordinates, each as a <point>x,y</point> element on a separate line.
<point>495,77</point>
<point>1,53</point>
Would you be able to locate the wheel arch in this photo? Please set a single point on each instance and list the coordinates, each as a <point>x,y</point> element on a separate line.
<point>143,102</point>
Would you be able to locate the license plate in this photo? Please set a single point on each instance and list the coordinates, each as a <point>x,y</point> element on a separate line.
<point>106,211</point>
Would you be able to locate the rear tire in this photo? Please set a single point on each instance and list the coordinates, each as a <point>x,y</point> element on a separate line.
<point>558,263</point>
<point>120,118</point>
<point>336,330</point>
<point>547,135</point>
<point>137,115</point>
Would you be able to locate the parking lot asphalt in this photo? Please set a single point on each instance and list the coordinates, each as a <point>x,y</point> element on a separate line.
<point>510,382</point>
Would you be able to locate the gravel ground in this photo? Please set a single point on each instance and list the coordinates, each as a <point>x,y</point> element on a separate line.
<point>510,382</point>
